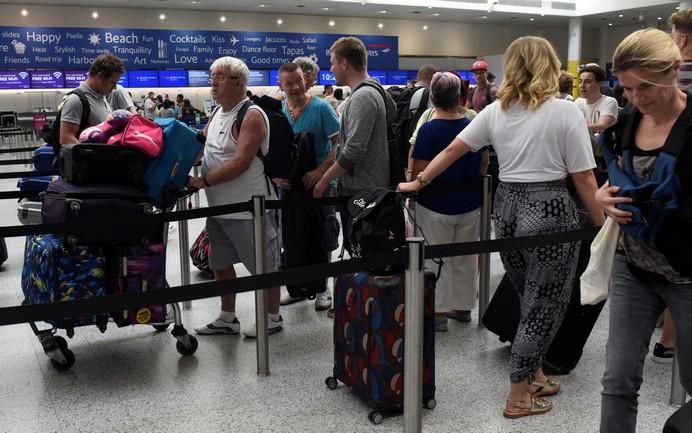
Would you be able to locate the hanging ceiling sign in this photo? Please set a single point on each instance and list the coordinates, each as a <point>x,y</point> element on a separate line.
<point>76,48</point>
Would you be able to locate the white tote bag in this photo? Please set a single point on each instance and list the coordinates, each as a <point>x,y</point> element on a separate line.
<point>596,278</point>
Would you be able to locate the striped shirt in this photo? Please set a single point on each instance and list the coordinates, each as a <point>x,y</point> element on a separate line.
<point>685,77</point>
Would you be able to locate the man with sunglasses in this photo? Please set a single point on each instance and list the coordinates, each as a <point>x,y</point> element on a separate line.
<point>485,92</point>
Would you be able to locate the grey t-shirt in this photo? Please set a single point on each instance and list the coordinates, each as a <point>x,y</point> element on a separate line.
<point>119,99</point>
<point>363,150</point>
<point>72,108</point>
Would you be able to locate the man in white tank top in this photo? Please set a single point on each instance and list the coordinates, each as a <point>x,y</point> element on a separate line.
<point>232,173</point>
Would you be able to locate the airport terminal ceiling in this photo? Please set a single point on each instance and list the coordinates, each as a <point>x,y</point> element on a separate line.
<point>541,12</point>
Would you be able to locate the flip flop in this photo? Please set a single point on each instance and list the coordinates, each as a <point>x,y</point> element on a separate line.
<point>536,406</point>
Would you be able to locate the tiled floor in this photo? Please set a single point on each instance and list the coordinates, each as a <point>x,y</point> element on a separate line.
<point>133,379</point>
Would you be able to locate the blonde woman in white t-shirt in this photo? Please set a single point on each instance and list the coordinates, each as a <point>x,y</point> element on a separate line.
<point>539,140</point>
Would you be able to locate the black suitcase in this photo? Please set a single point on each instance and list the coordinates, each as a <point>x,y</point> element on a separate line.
<point>94,163</point>
<point>680,421</point>
<point>502,318</point>
<point>65,202</point>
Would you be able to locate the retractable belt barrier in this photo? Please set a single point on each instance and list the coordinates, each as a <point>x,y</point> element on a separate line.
<point>19,149</point>
<point>15,161</point>
<point>28,313</point>
<point>105,304</point>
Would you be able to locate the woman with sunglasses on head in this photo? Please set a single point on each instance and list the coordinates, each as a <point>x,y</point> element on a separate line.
<point>539,140</point>
<point>654,271</point>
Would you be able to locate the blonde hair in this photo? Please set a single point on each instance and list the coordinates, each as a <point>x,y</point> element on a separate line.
<point>650,49</point>
<point>353,50</point>
<point>531,73</point>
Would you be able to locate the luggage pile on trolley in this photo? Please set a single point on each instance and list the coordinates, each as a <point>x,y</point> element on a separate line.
<point>139,169</point>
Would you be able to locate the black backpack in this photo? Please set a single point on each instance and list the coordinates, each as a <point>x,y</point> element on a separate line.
<point>397,166</point>
<point>278,160</point>
<point>406,116</point>
<point>377,222</point>
<point>51,133</point>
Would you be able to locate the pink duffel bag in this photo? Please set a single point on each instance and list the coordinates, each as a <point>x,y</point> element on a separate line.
<point>141,133</point>
<point>103,131</point>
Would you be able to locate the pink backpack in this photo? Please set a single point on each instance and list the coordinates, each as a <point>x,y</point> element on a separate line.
<point>142,134</point>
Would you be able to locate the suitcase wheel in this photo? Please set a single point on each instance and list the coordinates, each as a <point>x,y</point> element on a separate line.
<point>375,417</point>
<point>66,353</point>
<point>429,403</point>
<point>147,208</point>
<point>331,382</point>
<point>185,350</point>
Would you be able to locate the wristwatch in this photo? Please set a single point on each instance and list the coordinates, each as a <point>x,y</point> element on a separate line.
<point>422,182</point>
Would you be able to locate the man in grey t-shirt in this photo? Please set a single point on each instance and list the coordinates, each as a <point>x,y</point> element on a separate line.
<point>120,99</point>
<point>362,159</point>
<point>104,74</point>
<point>362,156</point>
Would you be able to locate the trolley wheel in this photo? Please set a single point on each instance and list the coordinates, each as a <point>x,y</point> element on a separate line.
<point>187,351</point>
<point>61,342</point>
<point>430,403</point>
<point>69,360</point>
<point>161,328</point>
<point>331,382</point>
<point>375,417</point>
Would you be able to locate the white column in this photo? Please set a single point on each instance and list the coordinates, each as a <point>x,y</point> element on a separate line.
<point>574,50</point>
<point>603,47</point>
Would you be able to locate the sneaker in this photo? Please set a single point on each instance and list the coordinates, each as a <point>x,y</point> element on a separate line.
<point>662,354</point>
<point>323,301</point>
<point>288,300</point>
<point>219,326</point>
<point>463,316</point>
<point>274,327</point>
<point>330,313</point>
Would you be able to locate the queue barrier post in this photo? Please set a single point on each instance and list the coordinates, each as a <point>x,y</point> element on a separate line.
<point>184,247</point>
<point>258,210</point>
<point>195,173</point>
<point>678,395</point>
<point>413,336</point>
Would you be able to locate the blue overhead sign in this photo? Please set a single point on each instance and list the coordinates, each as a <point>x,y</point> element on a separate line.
<point>76,48</point>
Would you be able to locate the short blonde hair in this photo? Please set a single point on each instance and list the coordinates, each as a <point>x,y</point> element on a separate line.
<point>353,50</point>
<point>650,49</point>
<point>531,73</point>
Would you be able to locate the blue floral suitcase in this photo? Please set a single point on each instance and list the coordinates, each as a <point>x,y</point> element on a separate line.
<point>53,273</point>
<point>369,340</point>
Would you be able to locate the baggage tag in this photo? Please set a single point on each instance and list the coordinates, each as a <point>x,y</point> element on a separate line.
<point>144,314</point>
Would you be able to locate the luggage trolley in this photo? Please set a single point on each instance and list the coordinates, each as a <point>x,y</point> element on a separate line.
<point>62,358</point>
